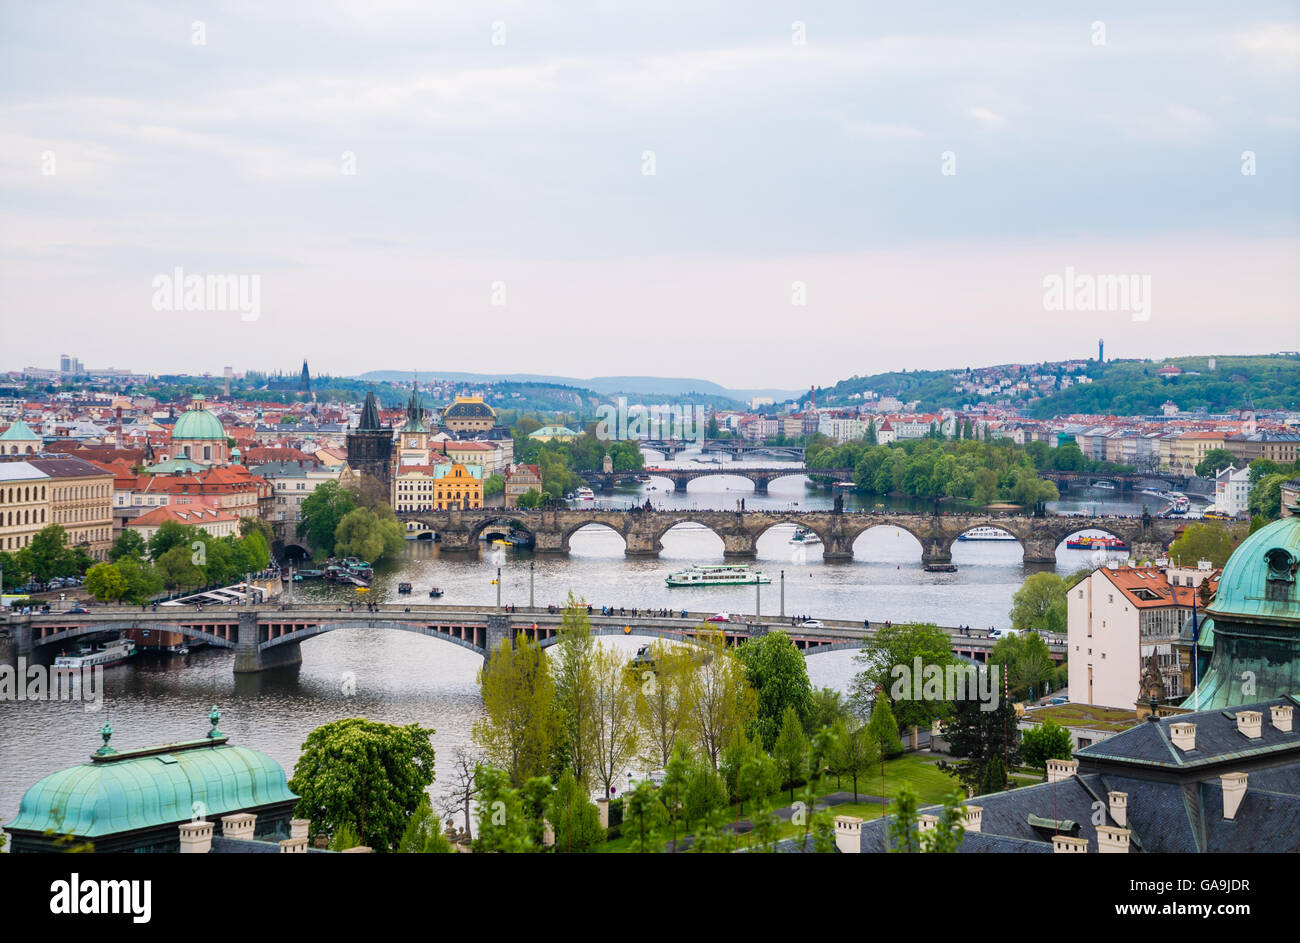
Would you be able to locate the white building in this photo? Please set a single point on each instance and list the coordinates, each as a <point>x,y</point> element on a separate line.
<point>1232,491</point>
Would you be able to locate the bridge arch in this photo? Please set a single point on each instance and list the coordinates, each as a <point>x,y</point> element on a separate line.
<point>591,527</point>
<point>427,629</point>
<point>487,524</point>
<point>661,531</point>
<point>81,631</point>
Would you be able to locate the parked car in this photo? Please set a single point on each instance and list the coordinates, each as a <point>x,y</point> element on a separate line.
<point>720,617</point>
<point>813,624</point>
<point>82,610</point>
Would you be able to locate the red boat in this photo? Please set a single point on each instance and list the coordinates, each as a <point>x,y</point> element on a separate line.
<point>1096,543</point>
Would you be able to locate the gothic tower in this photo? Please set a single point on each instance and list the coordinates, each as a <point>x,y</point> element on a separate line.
<point>370,445</point>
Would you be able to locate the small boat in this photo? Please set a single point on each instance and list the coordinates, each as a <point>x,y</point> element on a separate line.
<point>586,494</point>
<point>803,535</point>
<point>113,653</point>
<point>941,568</point>
<point>403,587</point>
<point>436,592</point>
<point>738,574</point>
<point>985,533</point>
<point>1104,485</point>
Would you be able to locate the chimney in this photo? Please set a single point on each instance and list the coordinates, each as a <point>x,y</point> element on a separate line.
<point>1250,724</point>
<point>926,822</point>
<point>1281,716</point>
<point>294,846</point>
<point>1234,790</point>
<point>298,828</point>
<point>1183,735</point>
<point>1061,770</point>
<point>240,825</point>
<point>1067,845</point>
<point>1119,807</point>
<point>974,818</point>
<point>848,834</point>
<point>196,837</point>
<point>1112,840</point>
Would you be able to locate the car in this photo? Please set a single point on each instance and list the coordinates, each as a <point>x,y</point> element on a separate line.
<point>813,624</point>
<point>79,610</point>
<point>720,617</point>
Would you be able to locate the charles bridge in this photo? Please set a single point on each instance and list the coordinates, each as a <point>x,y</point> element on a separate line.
<point>267,638</point>
<point>643,530</point>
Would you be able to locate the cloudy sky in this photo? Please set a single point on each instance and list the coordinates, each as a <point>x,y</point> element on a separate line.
<point>759,193</point>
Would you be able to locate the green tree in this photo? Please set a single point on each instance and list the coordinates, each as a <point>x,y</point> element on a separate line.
<point>706,793</point>
<point>1040,604</point>
<point>502,822</point>
<point>883,728</point>
<point>976,737</point>
<point>423,834</point>
<point>777,671</point>
<point>1043,742</point>
<point>42,557</point>
<point>574,817</point>
<point>663,703</point>
<point>177,570</point>
<point>367,775</point>
<point>105,582</point>
<point>791,749</point>
<point>614,734</point>
<point>888,657</point>
<point>571,657</point>
<point>856,751</point>
<point>906,836</point>
<point>645,815</point>
<point>1266,497</point>
<point>518,728</point>
<point>321,513</point>
<point>1027,662</point>
<point>995,777</point>
<point>1211,540</point>
<point>142,580</point>
<point>1215,461</point>
<point>723,705</point>
<point>129,543</point>
<point>171,534</point>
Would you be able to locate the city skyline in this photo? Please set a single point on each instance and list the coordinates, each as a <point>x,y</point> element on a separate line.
<point>762,200</point>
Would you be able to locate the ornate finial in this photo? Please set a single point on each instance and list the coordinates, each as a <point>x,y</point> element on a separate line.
<point>214,715</point>
<point>106,732</point>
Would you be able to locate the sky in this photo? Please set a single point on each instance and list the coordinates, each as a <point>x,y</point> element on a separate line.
<point>758,193</point>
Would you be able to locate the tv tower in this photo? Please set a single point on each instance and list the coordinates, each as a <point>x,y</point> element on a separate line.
<point>1101,350</point>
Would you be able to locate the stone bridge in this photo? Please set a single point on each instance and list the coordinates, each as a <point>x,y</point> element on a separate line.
<point>681,477</point>
<point>264,639</point>
<point>643,531</point>
<point>671,447</point>
<point>1066,480</point>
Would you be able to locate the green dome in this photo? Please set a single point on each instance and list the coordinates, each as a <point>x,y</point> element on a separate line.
<point>198,424</point>
<point>1259,580</point>
<point>128,792</point>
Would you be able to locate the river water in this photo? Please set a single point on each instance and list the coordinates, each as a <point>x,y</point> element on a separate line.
<point>401,678</point>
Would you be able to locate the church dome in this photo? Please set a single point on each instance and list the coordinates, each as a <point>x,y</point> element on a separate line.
<point>197,423</point>
<point>1259,579</point>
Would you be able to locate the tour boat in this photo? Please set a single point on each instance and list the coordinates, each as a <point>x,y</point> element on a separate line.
<point>403,587</point>
<point>1104,485</point>
<point>113,653</point>
<point>803,535</point>
<point>435,592</point>
<point>1096,543</point>
<point>985,533</point>
<point>727,574</point>
<point>586,494</point>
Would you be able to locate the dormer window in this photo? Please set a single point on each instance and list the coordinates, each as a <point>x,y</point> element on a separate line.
<point>1281,565</point>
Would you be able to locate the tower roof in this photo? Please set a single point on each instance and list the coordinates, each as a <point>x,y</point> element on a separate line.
<point>415,414</point>
<point>369,421</point>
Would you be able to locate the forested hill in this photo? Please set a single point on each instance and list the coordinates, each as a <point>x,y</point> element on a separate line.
<point>1120,387</point>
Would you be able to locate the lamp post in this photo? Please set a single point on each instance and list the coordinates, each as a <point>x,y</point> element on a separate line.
<point>530,583</point>
<point>498,582</point>
<point>783,595</point>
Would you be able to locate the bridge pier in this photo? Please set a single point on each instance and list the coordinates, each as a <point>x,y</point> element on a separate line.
<point>1146,550</point>
<point>936,550</point>
<point>679,484</point>
<point>837,549</point>
<point>498,631</point>
<point>760,485</point>
<point>1040,550</point>
<point>739,547</point>
<point>549,542</point>
<point>250,658</point>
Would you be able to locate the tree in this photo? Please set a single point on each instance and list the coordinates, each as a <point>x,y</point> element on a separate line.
<point>791,749</point>
<point>105,582</point>
<point>977,736</point>
<point>673,790</point>
<point>883,728</point>
<point>613,712</point>
<point>1211,540</point>
<point>423,834</point>
<point>129,543</point>
<point>856,750</point>
<point>573,690</point>
<point>906,836</point>
<point>1215,461</point>
<point>1266,497</point>
<point>995,776</point>
<point>142,580</point>
<point>885,655</point>
<point>367,775</point>
<point>706,793</point>
<point>663,703</point>
<point>1027,662</point>
<point>532,498</point>
<point>321,513</point>
<point>461,788</point>
<point>502,822</point>
<point>518,728</point>
<point>171,534</point>
<point>42,557</point>
<point>573,816</point>
<point>777,671</point>
<point>1040,604</point>
<point>828,706</point>
<point>722,703</point>
<point>177,570</point>
<point>369,534</point>
<point>644,815</point>
<point>1046,741</point>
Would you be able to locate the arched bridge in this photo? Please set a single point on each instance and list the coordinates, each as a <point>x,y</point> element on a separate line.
<point>681,477</point>
<point>643,531</point>
<point>271,638</point>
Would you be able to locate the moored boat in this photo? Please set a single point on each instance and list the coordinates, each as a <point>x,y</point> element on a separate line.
<point>113,653</point>
<point>729,574</point>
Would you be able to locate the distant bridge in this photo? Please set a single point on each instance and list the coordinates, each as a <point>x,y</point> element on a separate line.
<point>673,447</point>
<point>681,477</point>
<point>1066,480</point>
<point>643,531</point>
<point>263,639</point>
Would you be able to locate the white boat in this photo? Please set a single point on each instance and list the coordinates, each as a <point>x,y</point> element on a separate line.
<point>113,653</point>
<point>803,535</point>
<point>1104,485</point>
<point>586,494</point>
<point>985,533</point>
<point>727,574</point>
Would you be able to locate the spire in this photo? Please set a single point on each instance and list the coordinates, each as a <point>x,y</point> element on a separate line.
<point>369,414</point>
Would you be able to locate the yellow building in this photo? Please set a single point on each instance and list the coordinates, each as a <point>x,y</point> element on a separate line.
<point>1189,450</point>
<point>81,500</point>
<point>458,486</point>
